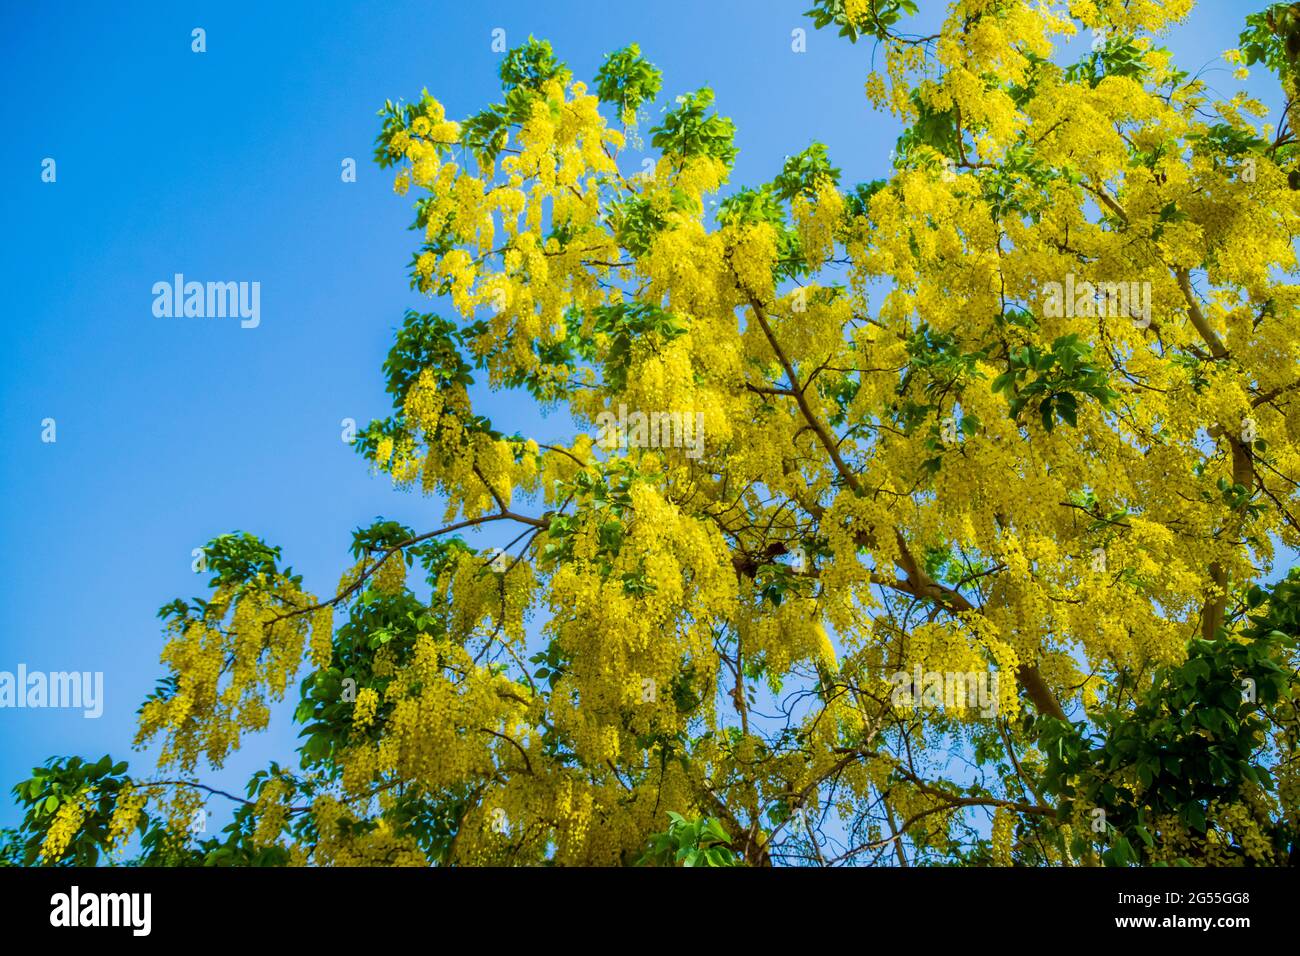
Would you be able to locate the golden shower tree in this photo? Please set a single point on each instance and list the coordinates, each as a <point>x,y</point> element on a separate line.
<point>931,519</point>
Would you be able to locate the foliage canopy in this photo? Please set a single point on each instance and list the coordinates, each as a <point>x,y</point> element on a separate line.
<point>910,465</point>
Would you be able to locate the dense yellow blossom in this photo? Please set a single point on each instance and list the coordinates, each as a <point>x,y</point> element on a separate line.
<point>857,478</point>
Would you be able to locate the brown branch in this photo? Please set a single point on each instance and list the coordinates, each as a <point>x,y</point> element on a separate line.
<point>384,554</point>
<point>801,399</point>
<point>1108,202</point>
<point>1266,397</point>
<point>506,737</point>
<point>1197,317</point>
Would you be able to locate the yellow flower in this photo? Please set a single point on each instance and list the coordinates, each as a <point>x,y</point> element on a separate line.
<point>365,708</point>
<point>64,828</point>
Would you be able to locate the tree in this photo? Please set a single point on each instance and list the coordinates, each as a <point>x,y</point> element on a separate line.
<point>929,519</point>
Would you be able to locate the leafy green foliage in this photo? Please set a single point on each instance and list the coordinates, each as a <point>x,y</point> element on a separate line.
<point>1223,139</point>
<point>749,206</point>
<point>608,492</point>
<point>325,708</point>
<point>1272,37</point>
<point>241,557</point>
<point>1196,733</point>
<point>397,117</point>
<point>698,842</point>
<point>524,72</point>
<point>802,172</point>
<point>239,560</point>
<point>627,80</point>
<point>687,131</point>
<point>425,341</point>
<point>630,323</point>
<point>55,784</point>
<point>1118,56</point>
<point>530,67</point>
<point>636,221</point>
<point>879,16</point>
<point>1060,376</point>
<point>933,127</point>
<point>1021,183</point>
<point>857,201</point>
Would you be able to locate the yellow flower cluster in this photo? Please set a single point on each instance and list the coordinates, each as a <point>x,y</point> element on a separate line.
<point>126,814</point>
<point>271,812</point>
<point>365,708</point>
<point>65,826</point>
<point>862,501</point>
<point>1004,823</point>
<point>228,665</point>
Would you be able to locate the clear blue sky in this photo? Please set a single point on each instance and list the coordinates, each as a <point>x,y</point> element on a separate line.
<point>225,166</point>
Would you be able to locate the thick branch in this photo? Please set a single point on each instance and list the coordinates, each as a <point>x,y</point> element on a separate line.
<point>1197,317</point>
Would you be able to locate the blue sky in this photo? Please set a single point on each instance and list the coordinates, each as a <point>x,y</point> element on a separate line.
<point>225,166</point>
